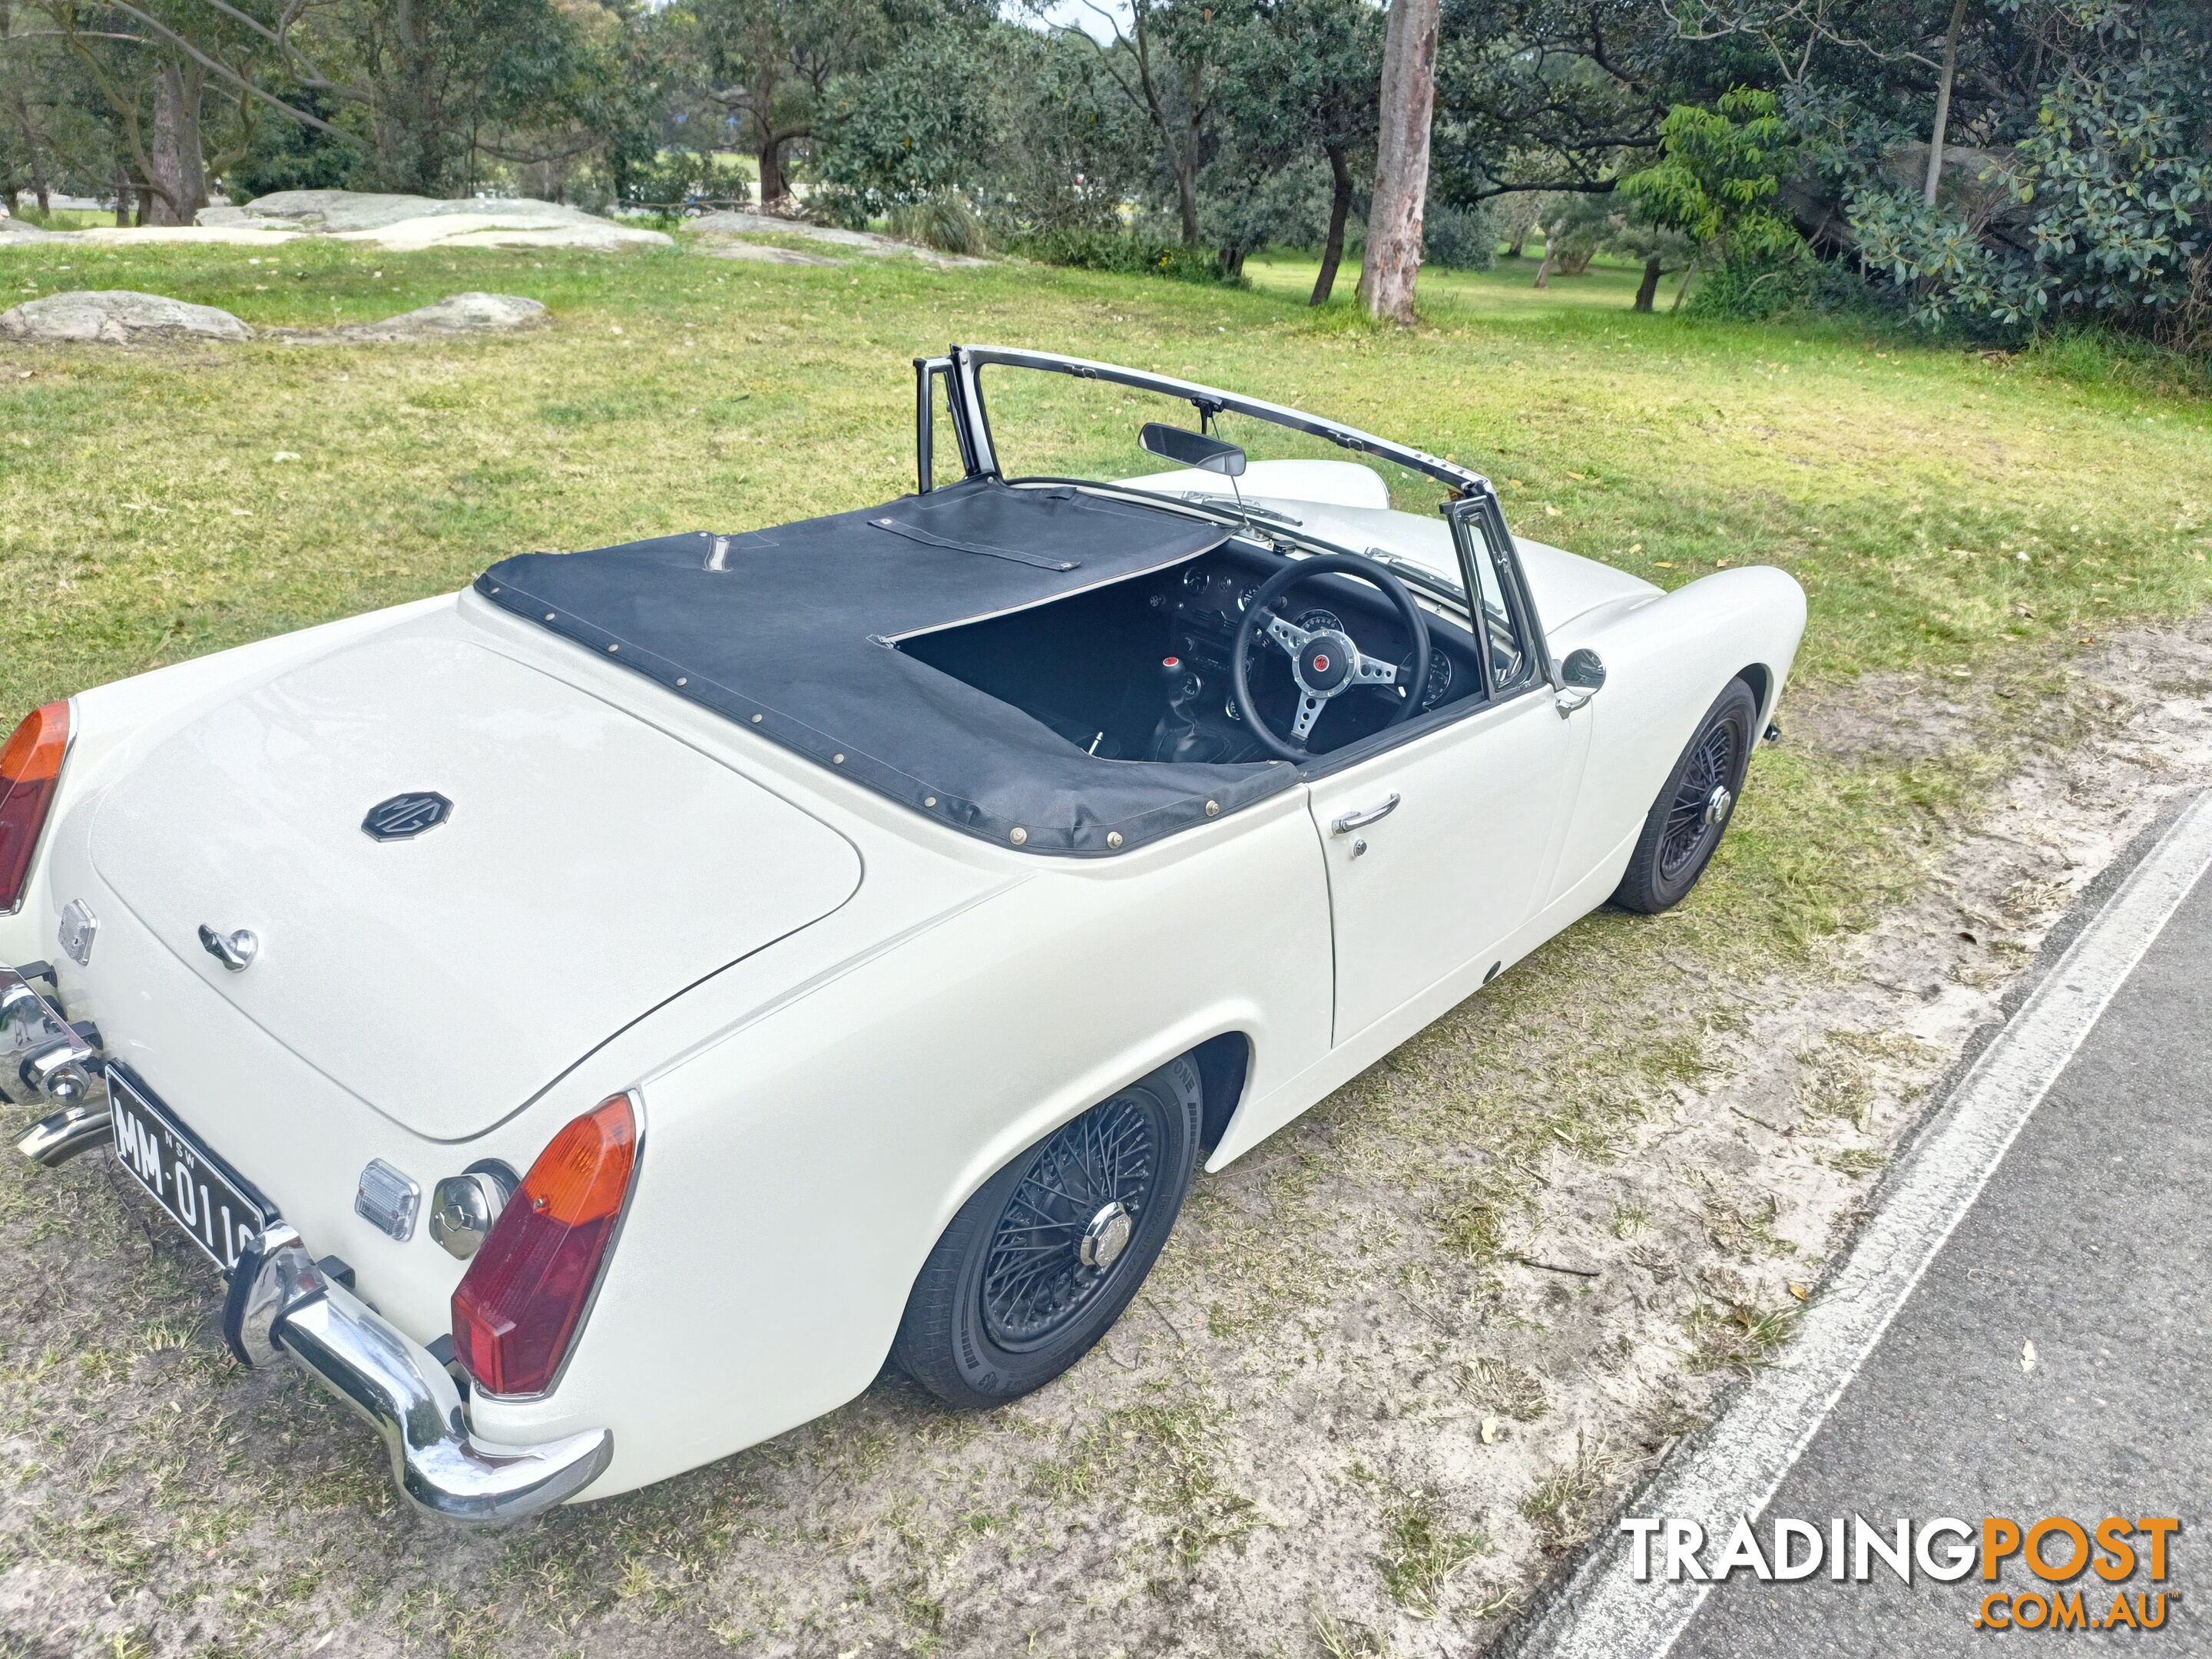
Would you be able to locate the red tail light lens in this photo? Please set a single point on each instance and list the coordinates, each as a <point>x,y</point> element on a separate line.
<point>30,770</point>
<point>518,1307</point>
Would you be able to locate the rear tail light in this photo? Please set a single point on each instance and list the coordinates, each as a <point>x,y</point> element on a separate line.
<point>30,770</point>
<point>517,1308</point>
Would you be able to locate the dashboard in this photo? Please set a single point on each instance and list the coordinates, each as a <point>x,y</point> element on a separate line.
<point>1206,600</point>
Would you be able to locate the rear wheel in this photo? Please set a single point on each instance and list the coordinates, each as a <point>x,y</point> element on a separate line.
<point>1043,1260</point>
<point>1692,814</point>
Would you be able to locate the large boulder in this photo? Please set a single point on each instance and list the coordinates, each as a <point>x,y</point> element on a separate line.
<point>403,222</point>
<point>739,223</point>
<point>761,254</point>
<point>458,313</point>
<point>116,317</point>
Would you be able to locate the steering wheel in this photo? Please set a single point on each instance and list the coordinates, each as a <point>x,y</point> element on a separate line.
<point>1325,664</point>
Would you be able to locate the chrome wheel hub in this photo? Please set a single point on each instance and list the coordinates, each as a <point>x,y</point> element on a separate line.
<point>1718,804</point>
<point>1106,1236</point>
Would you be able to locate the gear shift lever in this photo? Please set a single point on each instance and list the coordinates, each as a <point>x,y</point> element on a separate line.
<point>1176,737</point>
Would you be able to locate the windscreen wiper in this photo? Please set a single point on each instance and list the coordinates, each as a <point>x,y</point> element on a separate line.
<point>1240,506</point>
<point>1419,576</point>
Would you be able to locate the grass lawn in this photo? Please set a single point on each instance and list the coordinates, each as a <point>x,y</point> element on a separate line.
<point>1953,516</point>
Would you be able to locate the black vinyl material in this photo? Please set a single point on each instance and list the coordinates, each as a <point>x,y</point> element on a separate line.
<point>795,635</point>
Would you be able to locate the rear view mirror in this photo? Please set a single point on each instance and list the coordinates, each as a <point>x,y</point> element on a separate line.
<point>1208,454</point>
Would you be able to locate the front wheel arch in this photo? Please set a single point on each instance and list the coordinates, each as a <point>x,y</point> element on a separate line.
<point>1672,848</point>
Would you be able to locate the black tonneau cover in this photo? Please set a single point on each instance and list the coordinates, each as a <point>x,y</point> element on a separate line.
<point>792,631</point>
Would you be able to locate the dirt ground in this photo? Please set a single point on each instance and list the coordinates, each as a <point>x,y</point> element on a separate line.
<point>1396,1364</point>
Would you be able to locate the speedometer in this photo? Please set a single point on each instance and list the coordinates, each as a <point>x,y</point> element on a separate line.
<point>1320,621</point>
<point>1440,681</point>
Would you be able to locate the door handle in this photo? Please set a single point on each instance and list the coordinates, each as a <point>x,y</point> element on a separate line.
<point>1360,820</point>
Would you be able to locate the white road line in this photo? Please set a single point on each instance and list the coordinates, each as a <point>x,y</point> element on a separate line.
<point>1603,1612</point>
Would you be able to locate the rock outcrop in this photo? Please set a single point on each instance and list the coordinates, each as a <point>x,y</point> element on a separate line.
<point>121,317</point>
<point>116,317</point>
<point>415,222</point>
<point>458,313</point>
<point>866,242</point>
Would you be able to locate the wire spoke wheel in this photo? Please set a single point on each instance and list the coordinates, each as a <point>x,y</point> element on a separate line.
<point>1698,812</point>
<point>1064,1230</point>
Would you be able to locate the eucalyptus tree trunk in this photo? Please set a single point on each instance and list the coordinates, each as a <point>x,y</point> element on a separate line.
<point>176,177</point>
<point>1648,290</point>
<point>772,188</point>
<point>1340,209</point>
<point>1393,265</point>
<point>1950,72</point>
<point>1551,253</point>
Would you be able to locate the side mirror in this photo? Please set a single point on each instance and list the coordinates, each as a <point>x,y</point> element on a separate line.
<point>1580,678</point>
<point>1185,448</point>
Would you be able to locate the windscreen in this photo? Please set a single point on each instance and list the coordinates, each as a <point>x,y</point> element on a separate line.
<point>1048,424</point>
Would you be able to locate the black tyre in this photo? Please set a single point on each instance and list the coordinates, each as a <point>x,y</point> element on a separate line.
<point>1043,1259</point>
<point>1692,814</point>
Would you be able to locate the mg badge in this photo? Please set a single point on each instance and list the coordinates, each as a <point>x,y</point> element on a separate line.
<point>78,926</point>
<point>405,817</point>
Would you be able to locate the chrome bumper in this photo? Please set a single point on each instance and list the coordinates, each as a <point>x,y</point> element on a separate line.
<point>42,1055</point>
<point>280,1304</point>
<point>53,1141</point>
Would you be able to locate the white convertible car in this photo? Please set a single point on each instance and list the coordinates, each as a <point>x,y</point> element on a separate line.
<point>595,1019</point>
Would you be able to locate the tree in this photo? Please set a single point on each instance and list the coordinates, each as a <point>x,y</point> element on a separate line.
<point>1393,265</point>
<point>1168,65</point>
<point>2097,209</point>
<point>1302,82</point>
<point>1946,78</point>
<point>1717,180</point>
<point>1552,96</point>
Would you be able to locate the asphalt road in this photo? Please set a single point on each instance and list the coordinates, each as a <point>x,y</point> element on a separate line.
<point>2089,1242</point>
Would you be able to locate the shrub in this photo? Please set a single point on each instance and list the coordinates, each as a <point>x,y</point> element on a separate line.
<point>1460,239</point>
<point>1119,252</point>
<point>1753,290</point>
<point>945,219</point>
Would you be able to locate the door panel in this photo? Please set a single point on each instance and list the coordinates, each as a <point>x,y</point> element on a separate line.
<point>1465,856</point>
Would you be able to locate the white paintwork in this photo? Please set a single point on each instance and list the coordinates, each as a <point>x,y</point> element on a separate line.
<point>1461,862</point>
<point>547,875</point>
<point>872,1053</point>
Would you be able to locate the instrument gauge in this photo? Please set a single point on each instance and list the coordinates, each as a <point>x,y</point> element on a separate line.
<point>1440,681</point>
<point>1321,622</point>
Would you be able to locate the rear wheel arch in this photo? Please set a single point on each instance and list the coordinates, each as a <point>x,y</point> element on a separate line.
<point>1224,1066</point>
<point>995,1311</point>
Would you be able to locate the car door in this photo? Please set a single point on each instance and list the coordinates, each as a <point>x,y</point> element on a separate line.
<point>1439,849</point>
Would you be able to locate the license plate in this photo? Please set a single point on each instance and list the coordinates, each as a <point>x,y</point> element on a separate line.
<point>213,1205</point>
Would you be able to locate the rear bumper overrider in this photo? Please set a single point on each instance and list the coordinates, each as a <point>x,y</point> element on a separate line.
<point>281,1305</point>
